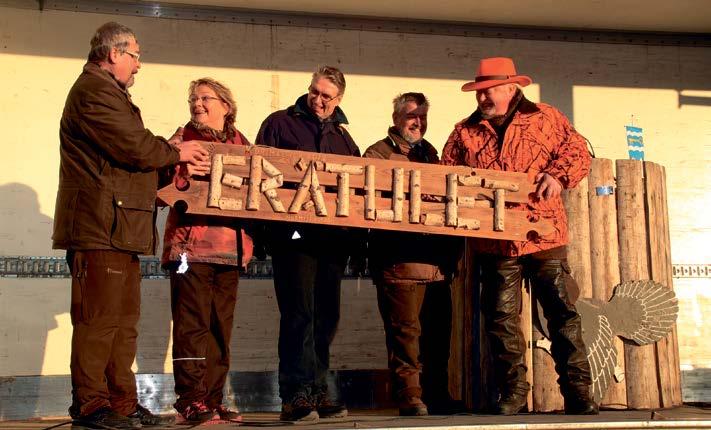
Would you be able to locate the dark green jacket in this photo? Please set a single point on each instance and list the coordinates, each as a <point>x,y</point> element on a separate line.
<point>107,174</point>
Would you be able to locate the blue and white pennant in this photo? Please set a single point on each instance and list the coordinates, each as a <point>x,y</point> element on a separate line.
<point>635,144</point>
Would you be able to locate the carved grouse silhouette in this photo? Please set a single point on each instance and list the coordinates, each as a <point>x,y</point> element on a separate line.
<point>640,311</point>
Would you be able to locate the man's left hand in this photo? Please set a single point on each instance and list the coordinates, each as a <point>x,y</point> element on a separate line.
<point>548,186</point>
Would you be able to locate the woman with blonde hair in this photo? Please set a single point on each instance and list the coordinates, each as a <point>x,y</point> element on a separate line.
<point>204,257</point>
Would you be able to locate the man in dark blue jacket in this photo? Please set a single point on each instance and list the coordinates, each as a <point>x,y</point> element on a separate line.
<point>308,260</point>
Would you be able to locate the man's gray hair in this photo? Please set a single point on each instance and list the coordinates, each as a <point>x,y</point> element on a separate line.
<point>108,36</point>
<point>401,100</point>
<point>331,74</point>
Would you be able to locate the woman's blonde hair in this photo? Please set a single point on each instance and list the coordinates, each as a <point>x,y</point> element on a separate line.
<point>223,93</point>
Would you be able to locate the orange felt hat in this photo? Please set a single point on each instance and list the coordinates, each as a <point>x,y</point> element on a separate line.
<point>495,71</point>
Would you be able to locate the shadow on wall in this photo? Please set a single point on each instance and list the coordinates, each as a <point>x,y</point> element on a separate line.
<point>29,308</point>
<point>24,230</point>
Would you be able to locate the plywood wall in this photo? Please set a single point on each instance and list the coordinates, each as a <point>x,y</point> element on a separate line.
<point>602,88</point>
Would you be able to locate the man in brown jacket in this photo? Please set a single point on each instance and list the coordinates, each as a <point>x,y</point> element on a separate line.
<point>104,217</point>
<point>412,273</point>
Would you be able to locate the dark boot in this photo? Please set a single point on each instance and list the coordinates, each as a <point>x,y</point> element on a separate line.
<point>512,403</point>
<point>501,305</point>
<point>551,279</point>
<point>326,405</point>
<point>575,405</point>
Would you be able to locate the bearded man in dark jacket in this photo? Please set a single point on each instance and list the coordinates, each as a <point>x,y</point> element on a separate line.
<point>104,217</point>
<point>309,261</point>
<point>412,273</point>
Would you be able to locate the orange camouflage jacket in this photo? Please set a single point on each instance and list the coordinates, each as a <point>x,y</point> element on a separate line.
<point>539,138</point>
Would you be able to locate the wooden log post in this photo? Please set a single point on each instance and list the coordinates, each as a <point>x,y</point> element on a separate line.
<point>499,209</point>
<point>676,365</point>
<point>660,268</point>
<point>450,209</point>
<point>641,373</point>
<point>578,212</point>
<point>370,192</point>
<point>302,191</point>
<point>317,195</point>
<point>343,196</point>
<point>254,191</point>
<point>604,261</point>
<point>546,393</point>
<point>415,196</point>
<point>527,329</point>
<point>215,190</point>
<point>398,193</point>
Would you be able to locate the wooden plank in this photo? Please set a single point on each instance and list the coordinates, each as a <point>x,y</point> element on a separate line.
<point>660,267</point>
<point>577,209</point>
<point>301,171</point>
<point>676,365</point>
<point>546,392</point>
<point>526,303</point>
<point>604,259</point>
<point>640,363</point>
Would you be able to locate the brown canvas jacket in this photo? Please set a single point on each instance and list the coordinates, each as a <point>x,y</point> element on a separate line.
<point>107,173</point>
<point>406,258</point>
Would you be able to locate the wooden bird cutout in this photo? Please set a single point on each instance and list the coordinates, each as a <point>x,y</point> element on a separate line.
<point>640,311</point>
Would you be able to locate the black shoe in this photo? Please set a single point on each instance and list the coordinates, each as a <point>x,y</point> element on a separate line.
<point>327,407</point>
<point>148,418</point>
<point>299,409</point>
<point>580,406</point>
<point>512,404</point>
<point>103,418</point>
<point>412,406</point>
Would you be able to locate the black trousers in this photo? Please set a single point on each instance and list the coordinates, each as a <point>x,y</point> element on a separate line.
<point>549,277</point>
<point>308,291</point>
<point>203,303</point>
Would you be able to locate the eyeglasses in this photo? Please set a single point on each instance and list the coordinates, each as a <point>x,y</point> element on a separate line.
<point>203,99</point>
<point>325,97</point>
<point>136,56</point>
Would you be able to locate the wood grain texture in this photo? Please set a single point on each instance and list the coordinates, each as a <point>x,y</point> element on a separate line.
<point>640,363</point>
<point>604,260</point>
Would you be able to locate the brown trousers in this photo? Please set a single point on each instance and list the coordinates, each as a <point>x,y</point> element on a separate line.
<point>203,302</point>
<point>105,308</point>
<point>418,323</point>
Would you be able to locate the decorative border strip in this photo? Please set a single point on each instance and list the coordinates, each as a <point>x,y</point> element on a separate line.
<point>691,270</point>
<point>341,22</point>
<point>56,267</point>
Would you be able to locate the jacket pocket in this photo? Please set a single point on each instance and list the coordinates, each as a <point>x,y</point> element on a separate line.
<point>132,228</point>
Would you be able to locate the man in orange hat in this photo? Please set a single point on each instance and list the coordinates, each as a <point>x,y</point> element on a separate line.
<point>508,132</point>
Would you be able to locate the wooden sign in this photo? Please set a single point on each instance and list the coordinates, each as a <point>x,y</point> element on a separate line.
<point>274,184</point>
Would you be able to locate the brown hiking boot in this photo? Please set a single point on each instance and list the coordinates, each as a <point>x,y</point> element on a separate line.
<point>299,409</point>
<point>326,406</point>
<point>412,406</point>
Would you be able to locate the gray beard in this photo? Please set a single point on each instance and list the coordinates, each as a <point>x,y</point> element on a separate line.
<point>409,138</point>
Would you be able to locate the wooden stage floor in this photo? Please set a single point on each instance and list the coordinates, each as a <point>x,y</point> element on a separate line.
<point>685,417</point>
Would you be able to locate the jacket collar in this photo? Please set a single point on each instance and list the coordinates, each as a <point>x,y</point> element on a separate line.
<point>96,70</point>
<point>422,150</point>
<point>300,108</point>
<point>525,107</point>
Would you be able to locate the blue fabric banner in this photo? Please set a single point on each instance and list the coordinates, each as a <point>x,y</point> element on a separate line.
<point>635,145</point>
